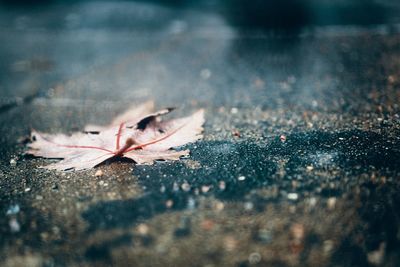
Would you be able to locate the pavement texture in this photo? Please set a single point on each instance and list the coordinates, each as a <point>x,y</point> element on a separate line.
<point>299,165</point>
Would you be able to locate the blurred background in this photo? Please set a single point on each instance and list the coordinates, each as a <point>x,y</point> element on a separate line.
<point>45,42</point>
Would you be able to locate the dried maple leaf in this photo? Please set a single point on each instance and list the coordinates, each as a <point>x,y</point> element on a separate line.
<point>135,135</point>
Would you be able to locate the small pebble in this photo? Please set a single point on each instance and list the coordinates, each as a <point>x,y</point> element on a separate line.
<point>14,225</point>
<point>242,178</point>
<point>169,203</point>
<point>143,229</point>
<point>234,110</point>
<point>230,243</point>
<point>297,231</point>
<point>292,196</point>
<point>331,203</point>
<point>310,168</point>
<point>205,188</point>
<point>185,187</point>
<point>377,257</point>
<point>101,182</point>
<point>98,173</point>
<point>219,206</point>
<point>27,189</point>
<point>328,246</point>
<point>13,162</point>
<point>312,201</point>
<point>264,236</point>
<point>248,205</point>
<point>254,258</point>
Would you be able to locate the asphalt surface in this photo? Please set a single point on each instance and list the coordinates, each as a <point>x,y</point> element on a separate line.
<point>299,165</point>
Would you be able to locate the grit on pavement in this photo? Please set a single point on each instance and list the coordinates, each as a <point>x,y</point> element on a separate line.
<point>299,165</point>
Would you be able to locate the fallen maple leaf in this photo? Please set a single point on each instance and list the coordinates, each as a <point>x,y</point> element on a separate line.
<point>135,135</point>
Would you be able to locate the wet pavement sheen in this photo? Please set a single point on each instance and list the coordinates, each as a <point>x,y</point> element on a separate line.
<point>299,165</point>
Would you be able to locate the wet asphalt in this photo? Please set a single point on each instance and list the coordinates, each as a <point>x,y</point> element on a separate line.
<point>299,165</point>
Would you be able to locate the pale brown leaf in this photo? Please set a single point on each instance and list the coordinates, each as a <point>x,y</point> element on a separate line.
<point>135,135</point>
